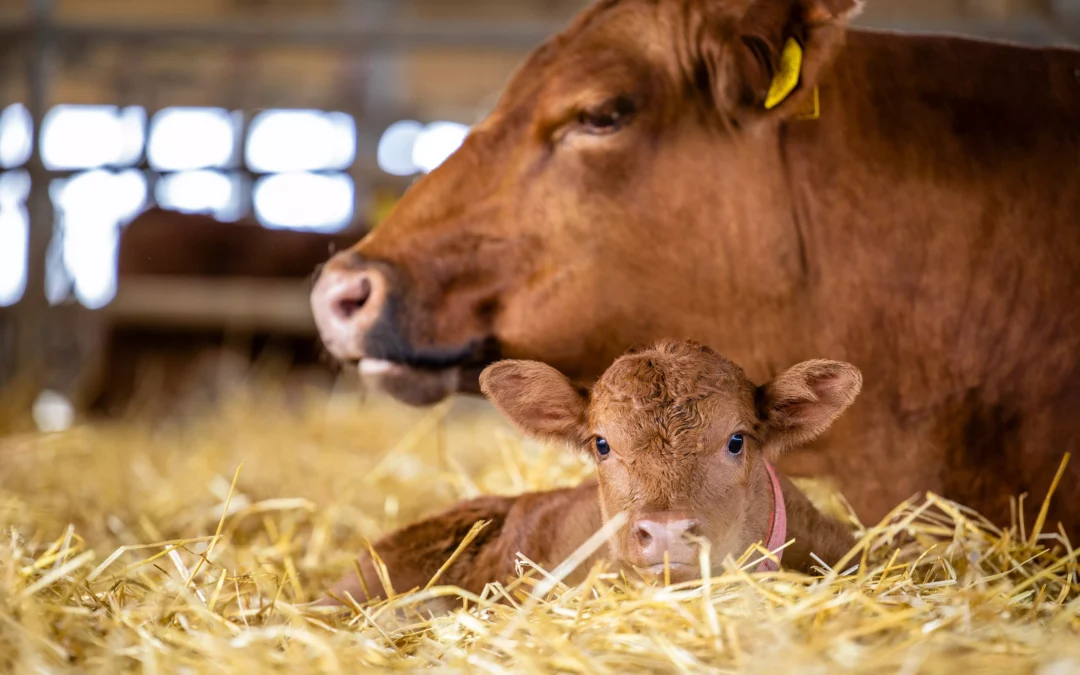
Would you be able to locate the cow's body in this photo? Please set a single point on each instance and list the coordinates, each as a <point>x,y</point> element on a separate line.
<point>925,227</point>
<point>938,228</point>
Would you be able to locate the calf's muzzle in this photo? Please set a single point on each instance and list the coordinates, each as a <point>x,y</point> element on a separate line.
<point>655,534</point>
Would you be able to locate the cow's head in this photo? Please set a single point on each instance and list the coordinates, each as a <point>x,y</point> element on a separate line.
<point>680,437</point>
<point>628,185</point>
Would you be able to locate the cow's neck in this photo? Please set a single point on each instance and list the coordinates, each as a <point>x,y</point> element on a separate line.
<point>746,281</point>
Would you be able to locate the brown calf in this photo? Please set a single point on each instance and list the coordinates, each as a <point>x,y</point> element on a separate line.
<point>683,443</point>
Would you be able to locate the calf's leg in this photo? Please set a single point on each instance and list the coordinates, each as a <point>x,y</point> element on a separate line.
<point>414,554</point>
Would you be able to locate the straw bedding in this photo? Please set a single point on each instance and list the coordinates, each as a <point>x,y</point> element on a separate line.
<point>197,546</point>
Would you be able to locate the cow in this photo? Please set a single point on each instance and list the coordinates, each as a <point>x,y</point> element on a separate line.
<point>683,444</point>
<point>758,176</point>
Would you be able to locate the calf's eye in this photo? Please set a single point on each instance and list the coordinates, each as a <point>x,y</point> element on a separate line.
<point>602,447</point>
<point>735,444</point>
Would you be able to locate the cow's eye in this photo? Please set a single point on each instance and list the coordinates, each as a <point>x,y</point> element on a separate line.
<point>602,447</point>
<point>735,444</point>
<point>607,118</point>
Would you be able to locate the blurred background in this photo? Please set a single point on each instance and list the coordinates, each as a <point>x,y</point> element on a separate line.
<point>172,171</point>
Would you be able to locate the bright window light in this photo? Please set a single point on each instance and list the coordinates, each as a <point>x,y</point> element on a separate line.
<point>91,136</point>
<point>58,284</point>
<point>132,135</point>
<point>16,136</point>
<point>304,201</point>
<point>14,236</point>
<point>53,412</point>
<point>436,143</point>
<point>14,187</point>
<point>201,192</point>
<point>183,139</point>
<point>395,153</point>
<point>14,239</point>
<point>94,205</point>
<point>407,147</point>
<point>301,140</point>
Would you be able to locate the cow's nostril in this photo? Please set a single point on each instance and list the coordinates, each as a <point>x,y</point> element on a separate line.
<point>349,303</point>
<point>643,536</point>
<point>693,529</point>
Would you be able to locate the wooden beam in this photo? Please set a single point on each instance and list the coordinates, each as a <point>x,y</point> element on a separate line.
<point>1024,29</point>
<point>351,34</point>
<point>230,304</point>
<point>35,323</point>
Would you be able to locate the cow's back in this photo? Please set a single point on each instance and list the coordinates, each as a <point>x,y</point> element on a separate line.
<point>941,186</point>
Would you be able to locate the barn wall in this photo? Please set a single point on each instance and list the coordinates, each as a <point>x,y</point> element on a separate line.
<point>427,82</point>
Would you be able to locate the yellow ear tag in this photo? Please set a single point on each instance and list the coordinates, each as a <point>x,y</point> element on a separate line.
<point>787,76</point>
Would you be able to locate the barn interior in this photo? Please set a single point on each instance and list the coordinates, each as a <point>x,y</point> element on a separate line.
<point>171,176</point>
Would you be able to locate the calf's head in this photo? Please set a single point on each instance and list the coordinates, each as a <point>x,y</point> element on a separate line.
<point>680,437</point>
<point>634,146</point>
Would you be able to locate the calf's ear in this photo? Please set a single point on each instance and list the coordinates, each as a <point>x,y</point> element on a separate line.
<point>772,56</point>
<point>801,403</point>
<point>538,399</point>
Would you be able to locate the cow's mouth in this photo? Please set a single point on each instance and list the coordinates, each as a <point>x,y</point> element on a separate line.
<point>420,386</point>
<point>411,385</point>
<point>423,379</point>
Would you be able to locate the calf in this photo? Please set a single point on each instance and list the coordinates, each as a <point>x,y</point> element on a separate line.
<point>682,442</point>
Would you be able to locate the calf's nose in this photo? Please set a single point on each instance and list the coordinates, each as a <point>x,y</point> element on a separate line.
<point>654,536</point>
<point>346,301</point>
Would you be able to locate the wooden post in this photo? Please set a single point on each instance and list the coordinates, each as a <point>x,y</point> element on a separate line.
<point>31,315</point>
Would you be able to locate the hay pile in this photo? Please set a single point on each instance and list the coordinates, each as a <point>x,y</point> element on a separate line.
<point>194,547</point>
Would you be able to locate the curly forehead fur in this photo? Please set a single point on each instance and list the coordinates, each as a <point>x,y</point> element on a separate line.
<point>671,391</point>
<point>669,374</point>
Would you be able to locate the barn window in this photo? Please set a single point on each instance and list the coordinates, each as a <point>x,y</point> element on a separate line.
<point>436,143</point>
<point>395,153</point>
<point>14,235</point>
<point>305,201</point>
<point>407,148</point>
<point>301,140</point>
<point>184,139</point>
<point>92,136</point>
<point>203,191</point>
<point>91,208</point>
<point>16,136</point>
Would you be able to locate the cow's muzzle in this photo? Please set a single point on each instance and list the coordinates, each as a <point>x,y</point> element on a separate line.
<point>359,313</point>
<point>347,300</point>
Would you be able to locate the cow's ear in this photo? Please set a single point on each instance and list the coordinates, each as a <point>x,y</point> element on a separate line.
<point>538,399</point>
<point>775,54</point>
<point>801,403</point>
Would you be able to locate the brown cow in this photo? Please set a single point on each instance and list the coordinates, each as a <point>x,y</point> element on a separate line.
<point>683,444</point>
<point>631,185</point>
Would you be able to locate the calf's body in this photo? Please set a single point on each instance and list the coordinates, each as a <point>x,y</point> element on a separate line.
<point>683,444</point>
<point>546,527</point>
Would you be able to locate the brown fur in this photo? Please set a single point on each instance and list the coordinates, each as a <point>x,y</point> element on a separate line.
<point>668,413</point>
<point>925,228</point>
